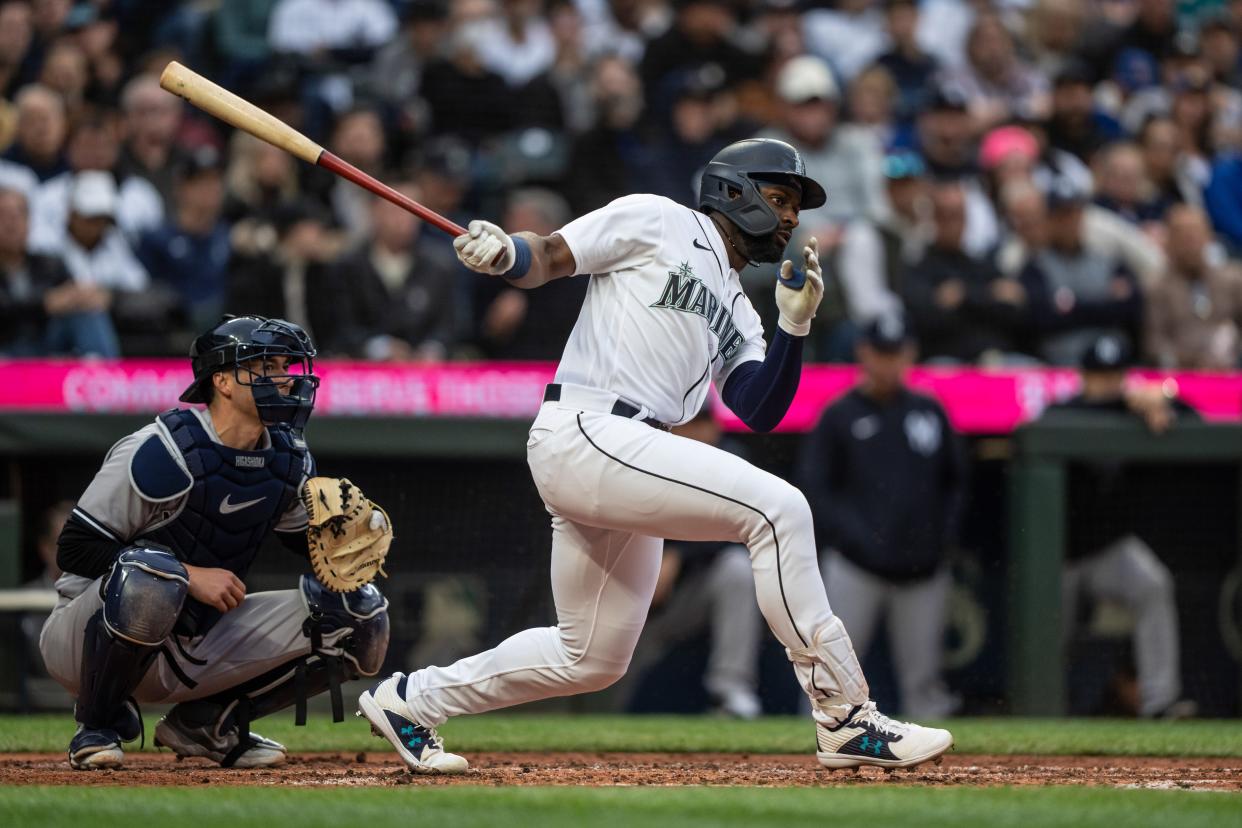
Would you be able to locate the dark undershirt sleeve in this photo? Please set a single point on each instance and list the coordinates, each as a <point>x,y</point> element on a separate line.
<point>295,542</point>
<point>760,392</point>
<point>80,550</point>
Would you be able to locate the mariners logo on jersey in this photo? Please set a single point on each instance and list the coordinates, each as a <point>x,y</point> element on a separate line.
<point>686,292</point>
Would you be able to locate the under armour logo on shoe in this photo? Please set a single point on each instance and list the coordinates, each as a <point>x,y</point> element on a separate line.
<point>870,745</point>
<point>408,730</point>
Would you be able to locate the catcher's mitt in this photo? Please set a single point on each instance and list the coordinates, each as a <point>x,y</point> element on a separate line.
<point>348,535</point>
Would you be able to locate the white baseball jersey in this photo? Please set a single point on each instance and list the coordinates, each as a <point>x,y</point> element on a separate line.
<point>664,309</point>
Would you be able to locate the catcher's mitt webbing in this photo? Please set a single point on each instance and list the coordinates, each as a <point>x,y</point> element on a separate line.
<point>348,535</point>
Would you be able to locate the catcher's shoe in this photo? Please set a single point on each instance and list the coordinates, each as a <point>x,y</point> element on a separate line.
<point>868,737</point>
<point>420,747</point>
<point>95,748</point>
<point>216,742</point>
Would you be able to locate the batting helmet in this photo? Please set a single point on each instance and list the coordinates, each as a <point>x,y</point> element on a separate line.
<point>238,339</point>
<point>731,183</point>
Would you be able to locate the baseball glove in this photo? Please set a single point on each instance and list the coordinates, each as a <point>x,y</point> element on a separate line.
<point>348,535</point>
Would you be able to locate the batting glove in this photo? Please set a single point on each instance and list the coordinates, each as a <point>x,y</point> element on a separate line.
<point>798,306</point>
<point>485,248</point>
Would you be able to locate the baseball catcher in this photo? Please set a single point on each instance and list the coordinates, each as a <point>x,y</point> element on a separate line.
<point>153,603</point>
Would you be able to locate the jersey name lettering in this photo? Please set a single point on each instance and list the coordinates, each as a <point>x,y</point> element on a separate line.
<point>246,461</point>
<point>686,292</point>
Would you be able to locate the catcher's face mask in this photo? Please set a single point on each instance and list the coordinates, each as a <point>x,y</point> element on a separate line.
<point>278,367</point>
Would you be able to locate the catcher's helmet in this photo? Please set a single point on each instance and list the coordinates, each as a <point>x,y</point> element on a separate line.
<point>738,167</point>
<point>238,339</point>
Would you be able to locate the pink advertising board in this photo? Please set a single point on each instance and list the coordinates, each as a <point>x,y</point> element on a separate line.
<point>978,400</point>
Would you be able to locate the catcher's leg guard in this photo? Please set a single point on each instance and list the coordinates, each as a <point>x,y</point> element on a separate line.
<point>349,638</point>
<point>142,598</point>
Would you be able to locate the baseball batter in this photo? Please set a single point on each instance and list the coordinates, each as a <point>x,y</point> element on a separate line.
<point>153,604</point>
<point>664,315</point>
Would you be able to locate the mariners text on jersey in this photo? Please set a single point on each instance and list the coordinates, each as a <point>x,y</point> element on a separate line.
<point>686,292</point>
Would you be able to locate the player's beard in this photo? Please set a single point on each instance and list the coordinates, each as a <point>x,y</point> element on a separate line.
<point>760,249</point>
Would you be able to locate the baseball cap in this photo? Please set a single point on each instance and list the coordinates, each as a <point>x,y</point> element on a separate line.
<point>887,332</point>
<point>1109,352</point>
<point>202,159</point>
<point>900,165</point>
<point>945,98</point>
<point>806,78</point>
<point>1003,142</point>
<point>1064,192</point>
<point>93,194</point>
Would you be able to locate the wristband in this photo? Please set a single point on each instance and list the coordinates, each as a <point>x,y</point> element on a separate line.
<point>521,259</point>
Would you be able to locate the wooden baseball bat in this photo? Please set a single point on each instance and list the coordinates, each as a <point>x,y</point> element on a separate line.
<point>240,113</point>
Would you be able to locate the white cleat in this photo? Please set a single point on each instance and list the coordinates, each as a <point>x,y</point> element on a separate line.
<point>208,741</point>
<point>420,747</point>
<point>868,737</point>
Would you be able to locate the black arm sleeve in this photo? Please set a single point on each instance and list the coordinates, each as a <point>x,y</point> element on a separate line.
<point>295,542</point>
<point>80,550</point>
<point>760,392</point>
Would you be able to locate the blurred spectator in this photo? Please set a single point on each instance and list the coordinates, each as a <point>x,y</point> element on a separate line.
<point>962,308</point>
<point>1055,31</point>
<point>1153,29</point>
<point>845,159</point>
<point>1218,41</point>
<point>396,74</point>
<point>872,100</point>
<point>1076,125</point>
<point>885,473</point>
<point>402,301</point>
<point>460,75</point>
<point>50,524</point>
<point>1104,560</point>
<point>1194,316</point>
<point>850,35</point>
<point>260,179</point>
<point>875,256</point>
<point>190,251</point>
<point>1123,188</point>
<point>696,130</point>
<point>282,267</point>
<point>1102,231</point>
<point>16,33</point>
<point>443,176</point>
<point>704,32</point>
<point>42,310</point>
<point>609,160</point>
<point>622,27</point>
<point>151,120</point>
<point>948,142</point>
<point>777,28</point>
<point>66,73</point>
<point>41,131</point>
<point>1223,199</point>
<point>907,62</point>
<point>94,145</point>
<point>518,44</point>
<point>570,73</point>
<point>1175,174</point>
<point>239,35</point>
<point>358,138</point>
<point>997,85</point>
<point>708,586</point>
<point>94,249</point>
<point>530,324</point>
<point>1076,292</point>
<point>313,27</point>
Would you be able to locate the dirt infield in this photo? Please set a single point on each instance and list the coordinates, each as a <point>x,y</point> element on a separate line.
<point>632,769</point>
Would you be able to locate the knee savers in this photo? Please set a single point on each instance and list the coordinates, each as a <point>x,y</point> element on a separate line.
<point>143,594</point>
<point>350,625</point>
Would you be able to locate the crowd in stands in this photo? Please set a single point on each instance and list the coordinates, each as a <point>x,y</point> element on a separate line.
<point>1020,176</point>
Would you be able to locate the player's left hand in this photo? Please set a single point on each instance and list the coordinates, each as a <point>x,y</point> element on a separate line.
<point>485,248</point>
<point>798,304</point>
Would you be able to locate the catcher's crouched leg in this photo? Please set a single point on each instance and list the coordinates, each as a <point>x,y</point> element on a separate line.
<point>142,597</point>
<point>349,638</point>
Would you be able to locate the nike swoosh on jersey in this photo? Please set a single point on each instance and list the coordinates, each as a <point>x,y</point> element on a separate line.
<point>227,508</point>
<point>702,246</point>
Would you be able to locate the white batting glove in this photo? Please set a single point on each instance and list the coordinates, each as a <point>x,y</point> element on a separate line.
<point>798,307</point>
<point>485,248</point>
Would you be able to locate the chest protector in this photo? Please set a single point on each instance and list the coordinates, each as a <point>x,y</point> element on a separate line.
<point>234,501</point>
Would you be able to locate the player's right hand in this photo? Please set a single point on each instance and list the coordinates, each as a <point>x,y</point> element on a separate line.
<point>798,306</point>
<point>485,248</point>
<point>214,587</point>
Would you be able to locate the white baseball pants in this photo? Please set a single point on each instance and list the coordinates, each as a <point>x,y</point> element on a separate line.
<point>615,488</point>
